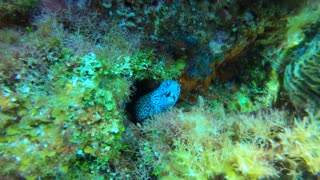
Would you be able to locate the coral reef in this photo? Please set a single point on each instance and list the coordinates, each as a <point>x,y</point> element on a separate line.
<point>62,98</point>
<point>243,76</point>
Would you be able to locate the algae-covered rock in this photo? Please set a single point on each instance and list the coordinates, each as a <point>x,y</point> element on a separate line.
<point>206,143</point>
<point>16,12</point>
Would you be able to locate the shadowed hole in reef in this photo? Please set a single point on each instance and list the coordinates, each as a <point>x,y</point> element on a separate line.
<point>139,89</point>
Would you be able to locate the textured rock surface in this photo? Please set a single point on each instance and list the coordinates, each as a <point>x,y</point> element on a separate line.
<point>301,79</point>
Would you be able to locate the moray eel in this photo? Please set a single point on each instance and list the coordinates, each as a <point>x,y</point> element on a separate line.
<point>161,99</point>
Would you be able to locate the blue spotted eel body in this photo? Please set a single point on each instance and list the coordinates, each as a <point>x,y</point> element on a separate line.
<point>161,99</point>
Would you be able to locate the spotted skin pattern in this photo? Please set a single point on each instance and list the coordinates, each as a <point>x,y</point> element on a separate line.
<point>161,99</point>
